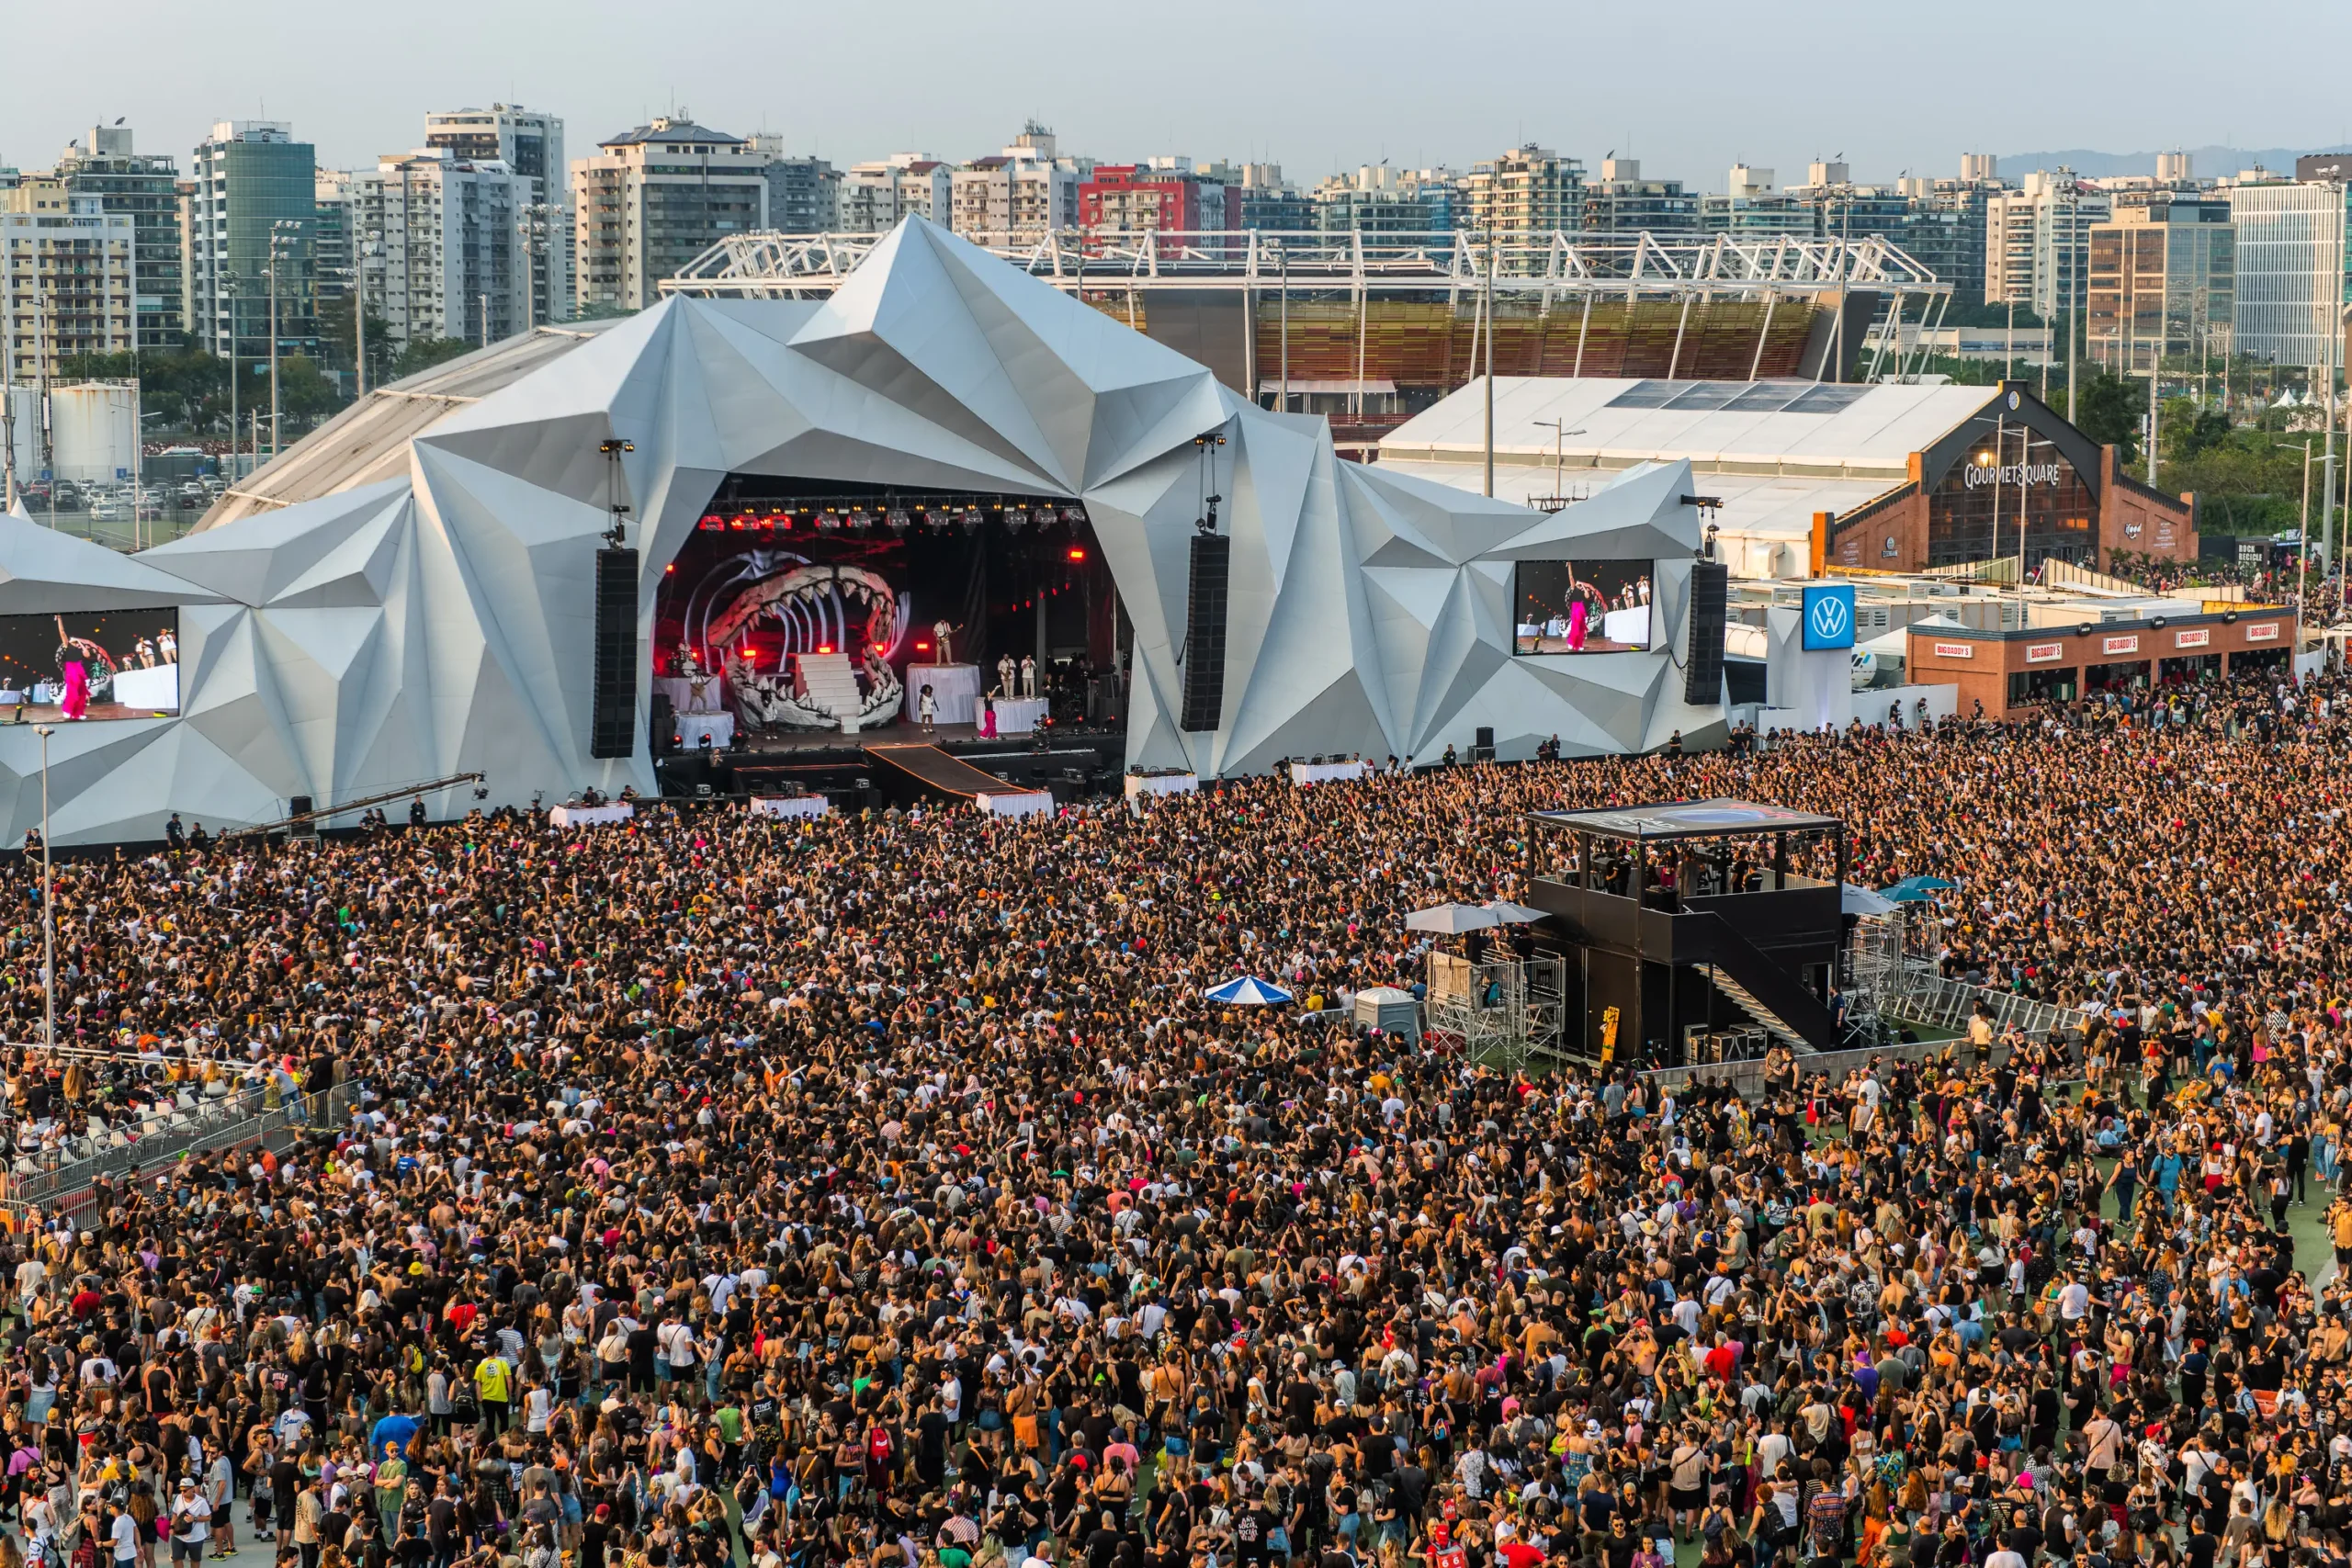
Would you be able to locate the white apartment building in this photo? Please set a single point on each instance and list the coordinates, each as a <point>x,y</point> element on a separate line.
<point>530,142</point>
<point>875,196</point>
<point>2292,267</point>
<point>1017,196</point>
<point>654,199</point>
<point>68,284</point>
<point>2037,243</point>
<point>442,252</point>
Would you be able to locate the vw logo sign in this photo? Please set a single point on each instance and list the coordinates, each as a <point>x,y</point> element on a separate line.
<point>1829,617</point>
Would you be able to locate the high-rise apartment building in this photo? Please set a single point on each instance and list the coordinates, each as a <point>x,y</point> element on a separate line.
<point>875,196</point>
<point>1750,205</point>
<point>1018,196</point>
<point>2293,268</point>
<point>449,257</point>
<point>1526,195</point>
<point>1134,197</point>
<point>529,142</point>
<point>2037,243</point>
<point>655,197</point>
<point>1378,199</point>
<point>143,187</point>
<point>804,192</point>
<point>68,279</point>
<point>1621,202</point>
<point>253,196</point>
<point>2163,281</point>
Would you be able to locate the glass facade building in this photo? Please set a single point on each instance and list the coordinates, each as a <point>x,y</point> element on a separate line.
<point>250,177</point>
<point>2163,281</point>
<point>146,189</point>
<point>2294,271</point>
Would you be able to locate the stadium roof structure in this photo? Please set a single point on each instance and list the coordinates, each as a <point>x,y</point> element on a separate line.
<point>409,595</point>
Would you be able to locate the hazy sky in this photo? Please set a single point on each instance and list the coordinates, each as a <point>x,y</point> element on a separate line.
<point>1687,87</point>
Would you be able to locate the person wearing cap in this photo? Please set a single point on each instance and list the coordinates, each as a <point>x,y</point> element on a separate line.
<point>191,1521</point>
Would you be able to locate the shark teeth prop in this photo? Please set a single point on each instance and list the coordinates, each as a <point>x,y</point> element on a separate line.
<point>799,601</point>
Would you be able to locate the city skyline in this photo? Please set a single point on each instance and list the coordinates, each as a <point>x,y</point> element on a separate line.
<point>1319,88</point>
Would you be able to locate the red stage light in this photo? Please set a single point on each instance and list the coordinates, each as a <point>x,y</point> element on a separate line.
<point>1076,552</point>
<point>826,647</point>
<point>922,648</point>
<point>672,566</point>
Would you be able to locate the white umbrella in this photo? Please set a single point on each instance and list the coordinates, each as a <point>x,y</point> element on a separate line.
<point>1866,901</point>
<point>1451,919</point>
<point>1509,914</point>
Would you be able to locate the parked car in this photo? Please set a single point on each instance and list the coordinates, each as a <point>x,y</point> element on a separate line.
<point>109,510</point>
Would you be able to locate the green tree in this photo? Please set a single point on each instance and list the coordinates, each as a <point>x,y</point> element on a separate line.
<point>424,352</point>
<point>2108,408</point>
<point>336,336</point>
<point>602,311</point>
<point>306,393</point>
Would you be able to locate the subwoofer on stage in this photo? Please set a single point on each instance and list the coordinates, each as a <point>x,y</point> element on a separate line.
<point>1702,678</point>
<point>612,725</point>
<point>1205,632</point>
<point>661,724</point>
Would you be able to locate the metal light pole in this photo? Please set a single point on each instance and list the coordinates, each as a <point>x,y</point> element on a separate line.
<point>284,235</point>
<point>1490,363</point>
<point>367,249</point>
<point>48,906</point>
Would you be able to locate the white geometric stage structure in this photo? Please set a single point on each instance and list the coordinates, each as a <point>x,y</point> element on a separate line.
<point>423,602</point>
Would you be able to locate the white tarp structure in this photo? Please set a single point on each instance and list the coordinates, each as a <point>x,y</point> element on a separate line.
<point>422,604</point>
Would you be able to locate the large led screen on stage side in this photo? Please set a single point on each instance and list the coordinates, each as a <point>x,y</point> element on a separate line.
<point>1582,606</point>
<point>89,664</point>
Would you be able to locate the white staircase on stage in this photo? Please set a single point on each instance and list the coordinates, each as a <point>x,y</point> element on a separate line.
<point>829,683</point>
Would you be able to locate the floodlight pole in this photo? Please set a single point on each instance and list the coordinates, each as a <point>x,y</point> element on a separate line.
<point>48,906</point>
<point>1490,364</point>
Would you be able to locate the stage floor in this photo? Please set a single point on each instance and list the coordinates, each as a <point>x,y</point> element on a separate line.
<point>952,737</point>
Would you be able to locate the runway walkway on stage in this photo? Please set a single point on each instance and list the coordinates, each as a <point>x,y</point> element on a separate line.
<point>936,769</point>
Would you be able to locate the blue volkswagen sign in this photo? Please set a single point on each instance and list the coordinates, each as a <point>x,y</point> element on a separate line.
<point>1829,617</point>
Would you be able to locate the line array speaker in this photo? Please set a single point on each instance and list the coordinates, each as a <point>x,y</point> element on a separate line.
<point>1702,679</point>
<point>612,725</point>
<point>1205,632</point>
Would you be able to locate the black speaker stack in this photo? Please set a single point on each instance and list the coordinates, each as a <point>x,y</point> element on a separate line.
<point>612,725</point>
<point>1205,632</point>
<point>1702,678</point>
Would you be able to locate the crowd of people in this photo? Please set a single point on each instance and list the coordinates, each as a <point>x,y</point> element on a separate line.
<point>880,1191</point>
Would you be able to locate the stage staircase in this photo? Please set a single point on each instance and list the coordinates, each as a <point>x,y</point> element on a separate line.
<point>1770,1021</point>
<point>829,685</point>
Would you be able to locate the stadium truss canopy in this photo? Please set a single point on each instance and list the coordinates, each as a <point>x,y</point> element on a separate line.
<point>424,604</point>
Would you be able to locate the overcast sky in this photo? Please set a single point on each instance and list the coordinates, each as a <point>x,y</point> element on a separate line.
<point>1688,87</point>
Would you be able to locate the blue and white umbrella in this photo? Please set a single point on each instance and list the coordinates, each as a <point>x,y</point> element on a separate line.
<point>1248,991</point>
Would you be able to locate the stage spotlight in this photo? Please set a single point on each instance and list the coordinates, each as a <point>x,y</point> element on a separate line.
<point>860,518</point>
<point>1016,518</point>
<point>829,518</point>
<point>898,520</point>
<point>1076,554</point>
<point>1073,515</point>
<point>971,519</point>
<point>934,519</point>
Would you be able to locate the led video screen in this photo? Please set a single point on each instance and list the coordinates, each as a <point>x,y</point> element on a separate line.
<point>1582,606</point>
<point>91,664</point>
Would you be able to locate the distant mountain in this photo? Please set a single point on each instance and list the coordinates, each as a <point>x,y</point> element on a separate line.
<point>2207,162</point>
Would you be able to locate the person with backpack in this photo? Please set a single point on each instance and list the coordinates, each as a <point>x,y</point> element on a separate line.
<point>191,1522</point>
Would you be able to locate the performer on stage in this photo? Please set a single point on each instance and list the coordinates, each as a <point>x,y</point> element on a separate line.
<point>987,719</point>
<point>1004,674</point>
<point>943,639</point>
<point>1028,675</point>
<point>927,708</point>
<point>168,646</point>
<point>77,702</point>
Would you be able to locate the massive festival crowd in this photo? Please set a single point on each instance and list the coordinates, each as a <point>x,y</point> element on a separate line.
<point>881,1191</point>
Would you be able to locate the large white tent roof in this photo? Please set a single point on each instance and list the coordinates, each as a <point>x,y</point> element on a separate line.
<point>1798,428</point>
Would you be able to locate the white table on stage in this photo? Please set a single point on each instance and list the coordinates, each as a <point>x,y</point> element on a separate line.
<point>1326,772</point>
<point>956,687</point>
<point>1017,803</point>
<point>681,693</point>
<point>791,806</point>
<point>693,726</point>
<point>1018,716</point>
<point>152,688</point>
<point>1162,783</point>
<point>590,816</point>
